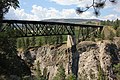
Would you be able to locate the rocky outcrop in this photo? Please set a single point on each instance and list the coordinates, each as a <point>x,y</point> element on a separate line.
<point>49,57</point>
<point>91,60</point>
<point>95,58</point>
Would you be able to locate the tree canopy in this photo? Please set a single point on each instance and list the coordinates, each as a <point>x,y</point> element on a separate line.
<point>5,6</point>
<point>96,5</point>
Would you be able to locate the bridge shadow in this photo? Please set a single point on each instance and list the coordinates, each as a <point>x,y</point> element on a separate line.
<point>75,60</point>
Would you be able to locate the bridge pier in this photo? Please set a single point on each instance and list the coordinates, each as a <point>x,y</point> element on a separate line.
<point>71,41</point>
<point>73,55</point>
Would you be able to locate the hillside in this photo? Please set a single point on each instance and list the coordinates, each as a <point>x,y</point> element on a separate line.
<point>73,20</point>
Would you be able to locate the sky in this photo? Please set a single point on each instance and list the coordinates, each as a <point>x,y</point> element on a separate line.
<point>60,9</point>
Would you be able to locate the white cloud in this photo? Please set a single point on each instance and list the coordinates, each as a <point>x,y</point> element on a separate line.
<point>117,8</point>
<point>66,2</point>
<point>82,3</point>
<point>40,13</point>
<point>20,14</point>
<point>79,3</point>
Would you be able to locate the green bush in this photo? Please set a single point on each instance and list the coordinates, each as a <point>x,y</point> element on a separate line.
<point>71,77</point>
<point>60,74</point>
<point>116,69</point>
<point>118,32</point>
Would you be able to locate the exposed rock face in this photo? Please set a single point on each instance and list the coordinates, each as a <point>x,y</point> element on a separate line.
<point>49,57</point>
<point>88,61</point>
<point>96,57</point>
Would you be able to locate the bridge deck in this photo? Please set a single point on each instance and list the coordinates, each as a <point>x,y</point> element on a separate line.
<point>51,23</point>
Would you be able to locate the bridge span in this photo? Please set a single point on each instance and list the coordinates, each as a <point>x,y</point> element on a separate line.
<point>23,28</point>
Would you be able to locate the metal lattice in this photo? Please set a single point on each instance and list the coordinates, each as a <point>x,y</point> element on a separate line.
<point>39,28</point>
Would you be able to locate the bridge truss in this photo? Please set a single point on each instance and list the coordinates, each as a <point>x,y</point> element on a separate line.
<point>22,28</point>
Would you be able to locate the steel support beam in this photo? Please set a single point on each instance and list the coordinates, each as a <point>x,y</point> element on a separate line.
<point>23,28</point>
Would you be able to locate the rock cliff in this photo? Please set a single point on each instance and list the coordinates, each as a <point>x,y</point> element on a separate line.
<point>90,61</point>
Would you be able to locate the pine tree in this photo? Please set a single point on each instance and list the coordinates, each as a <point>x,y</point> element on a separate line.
<point>118,32</point>
<point>40,42</point>
<point>116,69</point>
<point>116,24</point>
<point>27,42</point>
<point>23,43</point>
<point>101,75</point>
<point>71,77</point>
<point>33,41</point>
<point>61,73</point>
<point>45,75</point>
<point>19,43</point>
<point>38,71</point>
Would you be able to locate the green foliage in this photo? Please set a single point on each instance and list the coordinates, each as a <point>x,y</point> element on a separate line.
<point>33,41</point>
<point>115,23</point>
<point>27,42</point>
<point>101,74</point>
<point>19,43</point>
<point>111,36</point>
<point>118,32</point>
<point>23,43</point>
<point>7,41</point>
<point>45,72</point>
<point>38,71</point>
<point>6,4</point>
<point>102,35</point>
<point>9,61</point>
<point>116,69</point>
<point>92,38</point>
<point>71,77</point>
<point>39,42</point>
<point>60,74</point>
<point>41,76</point>
<point>58,39</point>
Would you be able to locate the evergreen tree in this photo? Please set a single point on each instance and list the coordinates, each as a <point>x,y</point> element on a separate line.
<point>40,42</point>
<point>27,42</point>
<point>60,74</point>
<point>118,32</point>
<point>45,75</point>
<point>38,71</point>
<point>116,69</point>
<point>101,75</point>
<point>71,77</point>
<point>111,36</point>
<point>116,25</point>
<point>41,76</point>
<point>33,41</point>
<point>23,43</point>
<point>96,5</point>
<point>46,39</point>
<point>61,39</point>
<point>19,43</point>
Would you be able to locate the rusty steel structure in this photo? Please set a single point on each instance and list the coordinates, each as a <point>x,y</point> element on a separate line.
<point>22,28</point>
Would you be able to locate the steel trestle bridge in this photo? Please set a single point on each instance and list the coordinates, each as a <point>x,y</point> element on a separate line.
<point>23,28</point>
